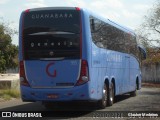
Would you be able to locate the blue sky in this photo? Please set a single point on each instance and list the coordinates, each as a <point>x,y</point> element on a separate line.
<point>126,12</point>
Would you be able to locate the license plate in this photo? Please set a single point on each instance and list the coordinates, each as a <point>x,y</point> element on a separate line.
<point>52,96</point>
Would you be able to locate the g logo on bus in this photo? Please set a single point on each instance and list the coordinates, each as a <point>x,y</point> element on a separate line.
<point>54,74</point>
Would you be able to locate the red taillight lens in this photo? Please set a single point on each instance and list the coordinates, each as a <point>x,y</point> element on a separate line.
<point>84,77</point>
<point>84,68</point>
<point>23,80</point>
<point>22,72</point>
<point>26,11</point>
<point>77,8</point>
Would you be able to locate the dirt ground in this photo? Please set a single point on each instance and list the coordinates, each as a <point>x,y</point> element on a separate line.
<point>147,100</point>
<point>155,85</point>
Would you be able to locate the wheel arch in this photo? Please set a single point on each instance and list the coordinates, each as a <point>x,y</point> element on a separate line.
<point>114,84</point>
<point>109,81</point>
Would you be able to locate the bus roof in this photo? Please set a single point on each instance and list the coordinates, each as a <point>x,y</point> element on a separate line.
<point>52,8</point>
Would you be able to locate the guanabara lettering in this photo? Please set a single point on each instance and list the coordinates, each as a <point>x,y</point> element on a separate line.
<point>52,16</point>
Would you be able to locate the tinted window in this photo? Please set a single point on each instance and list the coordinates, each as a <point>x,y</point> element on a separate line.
<point>109,37</point>
<point>51,33</point>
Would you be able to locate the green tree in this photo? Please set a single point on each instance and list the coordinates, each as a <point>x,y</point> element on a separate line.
<point>8,51</point>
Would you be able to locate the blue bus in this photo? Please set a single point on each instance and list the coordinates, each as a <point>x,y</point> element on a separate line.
<point>72,54</point>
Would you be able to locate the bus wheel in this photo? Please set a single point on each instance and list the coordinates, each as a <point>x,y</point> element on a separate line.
<point>133,93</point>
<point>103,102</point>
<point>111,95</point>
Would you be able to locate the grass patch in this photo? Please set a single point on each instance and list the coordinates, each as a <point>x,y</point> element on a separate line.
<point>8,94</point>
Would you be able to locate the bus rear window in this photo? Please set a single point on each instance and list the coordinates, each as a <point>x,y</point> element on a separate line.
<point>51,34</point>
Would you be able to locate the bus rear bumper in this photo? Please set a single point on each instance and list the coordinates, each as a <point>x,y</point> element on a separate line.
<point>56,94</point>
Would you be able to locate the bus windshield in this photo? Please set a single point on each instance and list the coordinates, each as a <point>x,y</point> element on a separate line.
<point>51,34</point>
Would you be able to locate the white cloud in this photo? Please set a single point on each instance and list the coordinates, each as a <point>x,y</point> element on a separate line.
<point>1,14</point>
<point>76,3</point>
<point>98,5</point>
<point>81,3</point>
<point>35,3</point>
<point>112,15</point>
<point>129,14</point>
<point>108,8</point>
<point>3,1</point>
<point>114,3</point>
<point>141,7</point>
<point>107,4</point>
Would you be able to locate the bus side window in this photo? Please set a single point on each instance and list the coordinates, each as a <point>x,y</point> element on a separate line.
<point>96,26</point>
<point>92,25</point>
<point>142,53</point>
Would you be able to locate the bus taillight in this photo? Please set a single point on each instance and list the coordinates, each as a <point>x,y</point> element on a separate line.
<point>26,11</point>
<point>77,8</point>
<point>23,80</point>
<point>84,75</point>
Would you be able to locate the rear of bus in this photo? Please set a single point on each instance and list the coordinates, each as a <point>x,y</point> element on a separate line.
<point>50,55</point>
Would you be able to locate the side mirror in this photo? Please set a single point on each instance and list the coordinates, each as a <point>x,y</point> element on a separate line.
<point>143,53</point>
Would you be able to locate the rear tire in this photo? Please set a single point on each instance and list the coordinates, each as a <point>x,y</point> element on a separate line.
<point>103,102</point>
<point>111,95</point>
<point>134,93</point>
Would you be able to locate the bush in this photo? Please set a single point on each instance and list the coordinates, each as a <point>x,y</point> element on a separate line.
<point>9,93</point>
